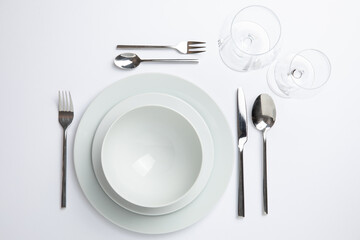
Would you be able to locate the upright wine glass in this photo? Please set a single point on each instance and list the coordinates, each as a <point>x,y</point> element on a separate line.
<point>299,75</point>
<point>251,39</point>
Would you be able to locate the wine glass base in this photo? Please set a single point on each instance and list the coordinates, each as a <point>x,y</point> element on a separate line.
<point>272,82</point>
<point>299,75</point>
<point>250,39</point>
<point>230,58</point>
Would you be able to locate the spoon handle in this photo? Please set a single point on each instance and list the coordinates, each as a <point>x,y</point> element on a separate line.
<point>172,60</point>
<point>265,190</point>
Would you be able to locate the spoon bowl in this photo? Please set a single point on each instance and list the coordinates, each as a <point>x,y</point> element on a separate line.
<point>264,112</point>
<point>127,61</point>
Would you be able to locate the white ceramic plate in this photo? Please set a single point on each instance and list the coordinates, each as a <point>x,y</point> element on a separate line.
<point>181,182</point>
<point>224,153</point>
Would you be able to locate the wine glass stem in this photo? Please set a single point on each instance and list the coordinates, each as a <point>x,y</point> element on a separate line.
<point>296,73</point>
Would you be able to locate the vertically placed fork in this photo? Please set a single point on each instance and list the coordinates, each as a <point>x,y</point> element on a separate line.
<point>186,47</point>
<point>66,115</point>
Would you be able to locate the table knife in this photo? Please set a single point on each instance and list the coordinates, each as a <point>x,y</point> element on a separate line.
<point>242,136</point>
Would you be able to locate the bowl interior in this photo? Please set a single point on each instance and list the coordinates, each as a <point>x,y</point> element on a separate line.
<point>151,156</point>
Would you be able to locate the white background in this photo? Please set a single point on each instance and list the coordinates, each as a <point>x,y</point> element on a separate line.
<point>314,160</point>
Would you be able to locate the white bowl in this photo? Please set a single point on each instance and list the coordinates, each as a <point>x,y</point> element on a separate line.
<point>151,156</point>
<point>156,156</point>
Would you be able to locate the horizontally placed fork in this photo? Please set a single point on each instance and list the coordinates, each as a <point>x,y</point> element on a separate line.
<point>188,47</point>
<point>66,115</point>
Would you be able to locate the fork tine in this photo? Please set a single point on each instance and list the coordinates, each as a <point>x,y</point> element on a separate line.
<point>67,101</point>
<point>191,52</point>
<point>59,106</point>
<point>71,104</point>
<point>63,101</point>
<point>195,42</point>
<point>193,47</point>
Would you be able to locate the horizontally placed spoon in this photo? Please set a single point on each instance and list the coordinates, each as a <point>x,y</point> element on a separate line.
<point>263,117</point>
<point>131,60</point>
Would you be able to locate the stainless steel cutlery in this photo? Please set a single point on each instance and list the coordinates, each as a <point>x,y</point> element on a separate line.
<point>242,137</point>
<point>263,117</point>
<point>66,115</point>
<point>185,47</point>
<point>131,60</point>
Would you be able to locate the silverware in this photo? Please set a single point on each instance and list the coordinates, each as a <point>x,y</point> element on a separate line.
<point>189,47</point>
<point>263,117</point>
<point>66,115</point>
<point>131,60</point>
<point>242,135</point>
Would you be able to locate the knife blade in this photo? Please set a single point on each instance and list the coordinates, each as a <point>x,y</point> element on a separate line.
<point>242,137</point>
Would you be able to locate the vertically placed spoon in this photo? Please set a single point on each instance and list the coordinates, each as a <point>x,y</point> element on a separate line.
<point>131,60</point>
<point>263,117</point>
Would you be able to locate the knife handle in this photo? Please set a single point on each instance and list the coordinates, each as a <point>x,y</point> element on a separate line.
<point>241,200</point>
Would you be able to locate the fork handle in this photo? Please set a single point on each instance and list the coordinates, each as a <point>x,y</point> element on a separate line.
<point>142,46</point>
<point>64,163</point>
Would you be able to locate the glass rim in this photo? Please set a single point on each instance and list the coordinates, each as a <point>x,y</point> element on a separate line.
<point>272,13</point>
<point>324,56</point>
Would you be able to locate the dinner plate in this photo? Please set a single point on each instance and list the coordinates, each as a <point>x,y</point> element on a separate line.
<point>224,153</point>
<point>142,168</point>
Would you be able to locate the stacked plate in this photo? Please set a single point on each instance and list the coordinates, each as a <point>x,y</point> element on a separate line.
<point>153,153</point>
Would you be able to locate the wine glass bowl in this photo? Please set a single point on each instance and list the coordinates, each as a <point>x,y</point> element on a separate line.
<point>251,39</point>
<point>299,75</point>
